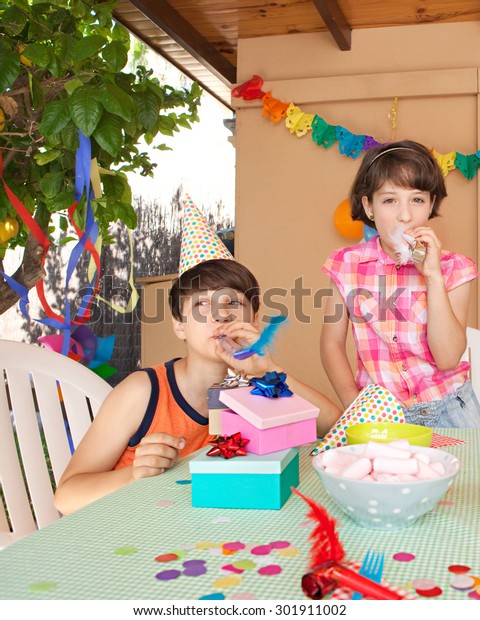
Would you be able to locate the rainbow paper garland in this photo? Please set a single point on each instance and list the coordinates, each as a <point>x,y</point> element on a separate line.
<point>324,134</point>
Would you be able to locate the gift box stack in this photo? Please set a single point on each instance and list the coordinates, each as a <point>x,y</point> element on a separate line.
<point>260,434</point>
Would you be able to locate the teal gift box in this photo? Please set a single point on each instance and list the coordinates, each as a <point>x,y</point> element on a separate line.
<point>251,481</point>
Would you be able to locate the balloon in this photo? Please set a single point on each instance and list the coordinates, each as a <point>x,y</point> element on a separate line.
<point>8,229</point>
<point>344,224</point>
<point>369,232</point>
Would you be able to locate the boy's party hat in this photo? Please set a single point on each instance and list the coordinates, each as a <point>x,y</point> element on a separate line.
<point>199,242</point>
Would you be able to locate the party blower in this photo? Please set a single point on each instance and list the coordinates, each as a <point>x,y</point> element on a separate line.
<point>326,555</point>
<point>259,346</point>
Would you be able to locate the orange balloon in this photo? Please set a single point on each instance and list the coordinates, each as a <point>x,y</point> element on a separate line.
<point>343,221</point>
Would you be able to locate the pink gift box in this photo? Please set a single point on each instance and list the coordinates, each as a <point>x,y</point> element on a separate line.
<point>271,424</point>
<point>263,412</point>
<point>270,439</point>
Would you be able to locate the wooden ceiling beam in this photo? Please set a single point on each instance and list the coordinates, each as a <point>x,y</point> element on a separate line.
<point>179,29</point>
<point>335,21</point>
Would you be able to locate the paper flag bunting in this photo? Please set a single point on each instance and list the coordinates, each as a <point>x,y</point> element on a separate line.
<point>324,134</point>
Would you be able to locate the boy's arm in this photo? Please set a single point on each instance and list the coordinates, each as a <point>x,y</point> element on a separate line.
<point>257,366</point>
<point>90,474</point>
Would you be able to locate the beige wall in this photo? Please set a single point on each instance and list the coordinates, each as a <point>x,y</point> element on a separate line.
<point>288,187</point>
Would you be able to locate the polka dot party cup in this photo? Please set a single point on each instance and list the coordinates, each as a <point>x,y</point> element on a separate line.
<point>388,505</point>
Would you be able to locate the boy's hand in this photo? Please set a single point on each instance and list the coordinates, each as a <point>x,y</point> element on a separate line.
<point>156,453</point>
<point>244,334</point>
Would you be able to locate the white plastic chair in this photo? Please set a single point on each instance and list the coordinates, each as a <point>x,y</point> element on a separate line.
<point>46,399</point>
<point>472,355</point>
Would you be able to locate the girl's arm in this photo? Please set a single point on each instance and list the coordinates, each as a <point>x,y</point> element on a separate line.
<point>90,474</point>
<point>447,313</point>
<point>258,365</point>
<point>333,348</point>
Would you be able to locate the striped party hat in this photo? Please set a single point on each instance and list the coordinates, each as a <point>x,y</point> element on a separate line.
<point>199,242</point>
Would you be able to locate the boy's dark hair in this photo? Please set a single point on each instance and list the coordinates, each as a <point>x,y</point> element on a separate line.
<point>213,275</point>
<point>405,163</point>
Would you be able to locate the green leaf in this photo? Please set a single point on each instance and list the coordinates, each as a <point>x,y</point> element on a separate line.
<point>61,202</point>
<point>120,33</point>
<point>62,46</point>
<point>46,157</point>
<point>66,240</point>
<point>10,68</point>
<point>55,117</point>
<point>51,183</point>
<point>72,85</point>
<point>14,20</point>
<point>148,109</point>
<point>36,91</point>
<point>113,187</point>
<point>39,54</point>
<point>55,67</point>
<point>87,47</point>
<point>63,223</point>
<point>86,109</point>
<point>70,137</point>
<point>115,54</point>
<point>109,134</point>
<point>166,125</point>
<point>126,213</point>
<point>117,101</point>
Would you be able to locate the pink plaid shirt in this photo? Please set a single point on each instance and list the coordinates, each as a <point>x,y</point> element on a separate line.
<point>387,304</point>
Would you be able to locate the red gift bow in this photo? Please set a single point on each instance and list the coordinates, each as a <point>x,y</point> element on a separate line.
<point>228,447</point>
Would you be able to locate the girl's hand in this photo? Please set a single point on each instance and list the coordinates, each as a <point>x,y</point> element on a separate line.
<point>156,453</point>
<point>429,267</point>
<point>244,334</point>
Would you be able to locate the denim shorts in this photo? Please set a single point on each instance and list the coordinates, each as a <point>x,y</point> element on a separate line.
<point>460,409</point>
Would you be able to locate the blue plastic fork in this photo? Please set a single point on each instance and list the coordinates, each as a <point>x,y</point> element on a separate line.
<point>372,568</point>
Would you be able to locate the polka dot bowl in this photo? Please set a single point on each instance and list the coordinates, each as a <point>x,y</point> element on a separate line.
<point>383,432</point>
<point>388,505</point>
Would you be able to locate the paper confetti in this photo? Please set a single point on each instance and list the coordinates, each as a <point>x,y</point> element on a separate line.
<point>271,569</point>
<point>403,557</point>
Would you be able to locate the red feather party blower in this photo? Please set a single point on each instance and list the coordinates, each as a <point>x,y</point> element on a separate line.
<point>326,555</point>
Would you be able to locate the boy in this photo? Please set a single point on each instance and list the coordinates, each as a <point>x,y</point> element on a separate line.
<point>159,414</point>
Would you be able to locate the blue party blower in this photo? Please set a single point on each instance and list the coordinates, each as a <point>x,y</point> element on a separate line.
<point>266,337</point>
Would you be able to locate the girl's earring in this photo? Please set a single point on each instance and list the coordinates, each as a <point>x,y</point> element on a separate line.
<point>371,217</point>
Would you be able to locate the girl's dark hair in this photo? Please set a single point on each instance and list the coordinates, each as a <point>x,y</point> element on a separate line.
<point>213,275</point>
<point>405,163</point>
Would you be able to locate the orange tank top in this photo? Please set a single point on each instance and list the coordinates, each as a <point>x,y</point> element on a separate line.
<point>168,412</point>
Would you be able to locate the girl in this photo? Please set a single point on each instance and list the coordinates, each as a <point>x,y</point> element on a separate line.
<point>408,310</point>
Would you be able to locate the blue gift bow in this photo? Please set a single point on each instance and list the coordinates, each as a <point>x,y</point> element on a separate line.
<point>271,385</point>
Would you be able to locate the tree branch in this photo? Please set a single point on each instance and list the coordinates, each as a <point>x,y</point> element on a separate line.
<point>28,274</point>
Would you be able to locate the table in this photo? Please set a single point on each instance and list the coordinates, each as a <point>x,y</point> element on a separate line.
<point>108,549</point>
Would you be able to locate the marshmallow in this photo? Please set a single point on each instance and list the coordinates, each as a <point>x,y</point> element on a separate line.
<point>401,444</point>
<point>336,458</point>
<point>425,472</point>
<point>421,457</point>
<point>359,469</point>
<point>374,449</point>
<point>382,465</point>
<point>438,467</point>
<point>376,462</point>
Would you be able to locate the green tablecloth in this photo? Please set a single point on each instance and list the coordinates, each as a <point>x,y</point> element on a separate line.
<point>109,549</point>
